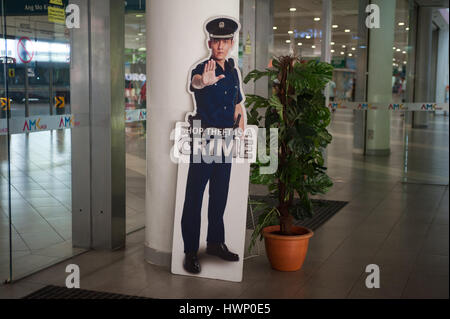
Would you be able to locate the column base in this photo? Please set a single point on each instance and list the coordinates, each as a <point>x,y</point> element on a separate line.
<point>157,257</point>
<point>358,151</point>
<point>380,152</point>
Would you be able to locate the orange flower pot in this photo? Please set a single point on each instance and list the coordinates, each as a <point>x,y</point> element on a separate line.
<point>287,253</point>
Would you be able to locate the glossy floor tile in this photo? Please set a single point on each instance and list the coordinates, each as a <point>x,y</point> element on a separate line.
<point>396,218</point>
<point>41,200</point>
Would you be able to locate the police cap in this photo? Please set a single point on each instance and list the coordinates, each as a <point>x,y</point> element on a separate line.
<point>221,28</point>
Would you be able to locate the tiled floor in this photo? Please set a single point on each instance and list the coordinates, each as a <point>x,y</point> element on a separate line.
<point>401,227</point>
<point>42,200</point>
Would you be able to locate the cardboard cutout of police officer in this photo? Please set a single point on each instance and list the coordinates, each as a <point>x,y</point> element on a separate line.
<point>215,84</point>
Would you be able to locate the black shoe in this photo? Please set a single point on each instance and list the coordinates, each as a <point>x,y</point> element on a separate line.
<point>191,263</point>
<point>221,250</point>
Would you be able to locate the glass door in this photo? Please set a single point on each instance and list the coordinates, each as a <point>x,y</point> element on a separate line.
<point>5,194</point>
<point>44,117</point>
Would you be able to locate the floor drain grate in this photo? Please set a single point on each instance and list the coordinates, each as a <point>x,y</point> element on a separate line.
<point>55,292</point>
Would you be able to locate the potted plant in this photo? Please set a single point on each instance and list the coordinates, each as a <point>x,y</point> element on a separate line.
<point>297,109</point>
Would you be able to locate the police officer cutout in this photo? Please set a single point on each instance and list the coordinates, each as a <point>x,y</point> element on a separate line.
<point>216,87</point>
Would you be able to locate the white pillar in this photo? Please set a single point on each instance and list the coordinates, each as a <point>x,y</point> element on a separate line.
<point>263,42</point>
<point>424,52</point>
<point>326,27</point>
<point>249,38</point>
<point>175,42</point>
<point>442,66</point>
<point>380,79</point>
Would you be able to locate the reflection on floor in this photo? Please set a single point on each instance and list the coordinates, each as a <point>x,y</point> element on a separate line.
<point>41,202</point>
<point>401,227</point>
<point>135,175</point>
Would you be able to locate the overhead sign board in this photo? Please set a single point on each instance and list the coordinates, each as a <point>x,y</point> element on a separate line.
<point>29,7</point>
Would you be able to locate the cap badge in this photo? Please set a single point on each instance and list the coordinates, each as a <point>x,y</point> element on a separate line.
<point>222,25</point>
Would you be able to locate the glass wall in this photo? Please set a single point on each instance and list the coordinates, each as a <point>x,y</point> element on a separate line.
<point>348,50</point>
<point>5,233</point>
<point>36,74</point>
<point>136,111</point>
<point>297,28</point>
<point>403,48</point>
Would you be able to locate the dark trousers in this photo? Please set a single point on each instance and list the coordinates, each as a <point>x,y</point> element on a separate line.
<point>218,175</point>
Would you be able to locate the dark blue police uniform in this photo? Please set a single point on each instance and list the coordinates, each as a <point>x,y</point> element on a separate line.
<point>215,108</point>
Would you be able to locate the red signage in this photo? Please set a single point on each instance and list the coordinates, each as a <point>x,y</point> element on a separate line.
<point>25,53</point>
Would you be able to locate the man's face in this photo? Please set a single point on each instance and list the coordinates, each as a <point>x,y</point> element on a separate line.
<point>220,48</point>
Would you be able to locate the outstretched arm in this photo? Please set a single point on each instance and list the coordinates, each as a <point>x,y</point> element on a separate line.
<point>208,77</point>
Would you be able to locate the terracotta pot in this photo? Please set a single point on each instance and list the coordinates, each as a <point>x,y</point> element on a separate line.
<point>287,253</point>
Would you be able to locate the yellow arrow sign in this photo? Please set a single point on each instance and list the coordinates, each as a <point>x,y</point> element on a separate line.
<point>3,104</point>
<point>12,73</point>
<point>59,102</point>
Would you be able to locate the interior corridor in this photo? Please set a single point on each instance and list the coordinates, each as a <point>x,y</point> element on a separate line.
<point>397,218</point>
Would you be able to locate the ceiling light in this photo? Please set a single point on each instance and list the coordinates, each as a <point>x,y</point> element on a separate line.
<point>316,19</point>
<point>332,43</point>
<point>398,50</point>
<point>332,51</point>
<point>343,45</point>
<point>139,15</point>
<point>342,52</point>
<point>393,59</point>
<point>140,34</point>
<point>137,38</point>
<point>292,9</point>
<point>300,44</point>
<point>347,30</point>
<point>275,28</point>
<point>407,28</point>
<point>335,26</point>
<point>353,49</point>
<point>393,48</point>
<point>404,52</point>
<point>350,54</point>
<point>142,49</point>
<point>308,37</point>
<point>290,32</point>
<point>288,41</point>
<point>401,23</point>
<point>313,46</point>
<point>404,62</point>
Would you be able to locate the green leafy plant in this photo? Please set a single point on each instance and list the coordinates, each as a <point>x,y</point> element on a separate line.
<point>297,109</point>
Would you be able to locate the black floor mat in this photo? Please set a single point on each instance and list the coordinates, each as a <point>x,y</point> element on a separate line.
<point>54,292</point>
<point>323,210</point>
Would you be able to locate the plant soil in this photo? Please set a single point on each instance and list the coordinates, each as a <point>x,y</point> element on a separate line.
<point>290,234</point>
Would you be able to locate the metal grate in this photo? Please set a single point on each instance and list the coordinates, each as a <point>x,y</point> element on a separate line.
<point>55,292</point>
<point>323,211</point>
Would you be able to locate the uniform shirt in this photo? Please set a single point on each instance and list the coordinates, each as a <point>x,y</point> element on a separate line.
<point>216,103</point>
